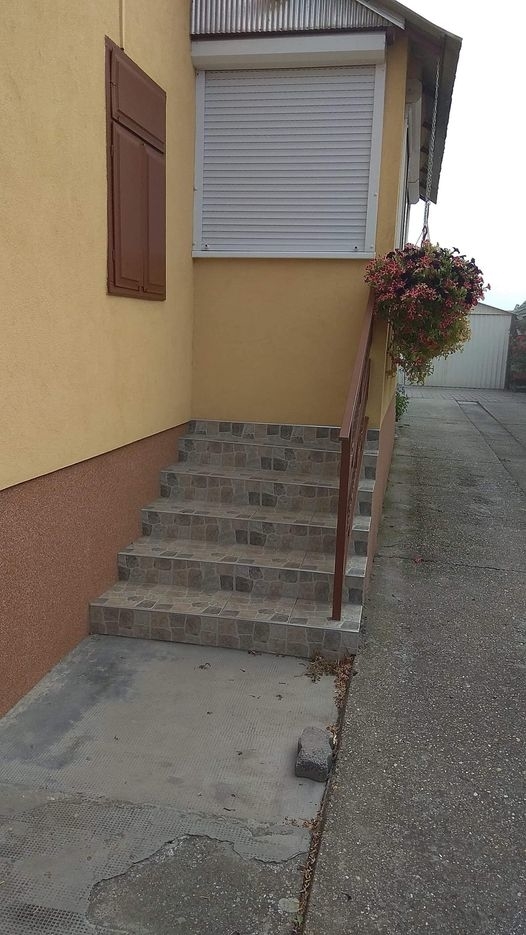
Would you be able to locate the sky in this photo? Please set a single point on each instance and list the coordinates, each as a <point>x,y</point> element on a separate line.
<point>481,207</point>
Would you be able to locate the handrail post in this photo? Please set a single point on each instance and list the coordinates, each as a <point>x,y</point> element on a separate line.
<point>342,542</point>
<point>352,438</point>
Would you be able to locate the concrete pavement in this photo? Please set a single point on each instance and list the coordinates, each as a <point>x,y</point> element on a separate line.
<point>148,788</point>
<point>425,828</point>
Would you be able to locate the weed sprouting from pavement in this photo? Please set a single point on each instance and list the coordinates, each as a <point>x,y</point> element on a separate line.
<point>341,671</point>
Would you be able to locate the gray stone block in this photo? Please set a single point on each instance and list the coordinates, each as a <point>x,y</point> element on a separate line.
<point>314,759</point>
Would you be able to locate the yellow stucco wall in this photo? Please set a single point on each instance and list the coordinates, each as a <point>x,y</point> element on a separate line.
<point>82,372</point>
<point>383,383</point>
<point>274,339</point>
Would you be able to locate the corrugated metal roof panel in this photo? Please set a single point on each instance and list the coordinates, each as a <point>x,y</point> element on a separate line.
<point>235,17</point>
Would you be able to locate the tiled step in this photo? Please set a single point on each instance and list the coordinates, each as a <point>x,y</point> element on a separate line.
<point>246,569</point>
<point>369,462</point>
<point>256,455</point>
<point>242,486</point>
<point>316,462</point>
<point>372,440</point>
<point>236,525</point>
<point>311,436</point>
<point>289,626</point>
<point>239,550</point>
<point>319,436</point>
<point>360,534</point>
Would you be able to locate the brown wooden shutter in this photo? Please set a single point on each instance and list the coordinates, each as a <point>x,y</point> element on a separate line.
<point>137,102</point>
<point>128,212</point>
<point>136,120</point>
<point>155,258</point>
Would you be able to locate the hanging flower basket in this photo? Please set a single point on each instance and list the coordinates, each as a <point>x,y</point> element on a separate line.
<point>426,294</point>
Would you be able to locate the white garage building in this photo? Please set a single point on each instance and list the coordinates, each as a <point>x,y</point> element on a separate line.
<point>482,362</point>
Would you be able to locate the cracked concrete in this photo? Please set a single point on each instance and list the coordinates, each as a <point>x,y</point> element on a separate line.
<point>59,848</point>
<point>149,788</point>
<point>194,884</point>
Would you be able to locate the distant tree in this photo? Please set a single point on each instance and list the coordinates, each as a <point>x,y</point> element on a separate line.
<point>518,348</point>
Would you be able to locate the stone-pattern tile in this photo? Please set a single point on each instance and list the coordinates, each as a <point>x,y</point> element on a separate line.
<point>182,483</point>
<point>360,547</point>
<point>241,554</point>
<point>240,623</point>
<point>315,462</point>
<point>235,511</point>
<point>239,550</point>
<point>373,440</point>
<point>235,527</point>
<point>251,570</point>
<point>319,435</point>
<point>310,462</point>
<point>370,459</point>
<point>238,532</point>
<point>297,478</point>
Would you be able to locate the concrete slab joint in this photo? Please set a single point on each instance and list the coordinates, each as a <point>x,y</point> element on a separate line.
<point>315,757</point>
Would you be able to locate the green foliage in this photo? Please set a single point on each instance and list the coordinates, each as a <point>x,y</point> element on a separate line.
<point>518,353</point>
<point>402,402</point>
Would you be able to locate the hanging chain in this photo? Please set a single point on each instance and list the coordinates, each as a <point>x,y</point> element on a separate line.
<point>425,228</point>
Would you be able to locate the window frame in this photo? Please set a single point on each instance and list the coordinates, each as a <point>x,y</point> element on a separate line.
<point>374,175</point>
<point>403,209</point>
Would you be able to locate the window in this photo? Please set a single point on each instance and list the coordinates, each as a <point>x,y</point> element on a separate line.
<point>288,161</point>
<point>136,141</point>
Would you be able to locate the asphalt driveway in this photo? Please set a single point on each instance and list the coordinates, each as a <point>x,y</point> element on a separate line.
<point>426,827</point>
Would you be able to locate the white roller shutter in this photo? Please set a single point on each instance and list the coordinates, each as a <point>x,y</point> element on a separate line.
<point>284,161</point>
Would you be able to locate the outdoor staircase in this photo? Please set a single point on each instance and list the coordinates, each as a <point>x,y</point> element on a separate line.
<point>239,549</point>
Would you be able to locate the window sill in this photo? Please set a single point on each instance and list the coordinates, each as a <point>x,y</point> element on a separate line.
<point>300,255</point>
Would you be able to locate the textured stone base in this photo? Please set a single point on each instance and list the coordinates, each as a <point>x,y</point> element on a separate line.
<point>58,539</point>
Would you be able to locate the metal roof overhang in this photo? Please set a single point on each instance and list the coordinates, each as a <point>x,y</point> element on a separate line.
<point>429,42</point>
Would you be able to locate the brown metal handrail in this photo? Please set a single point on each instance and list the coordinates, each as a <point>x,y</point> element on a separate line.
<point>352,437</point>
